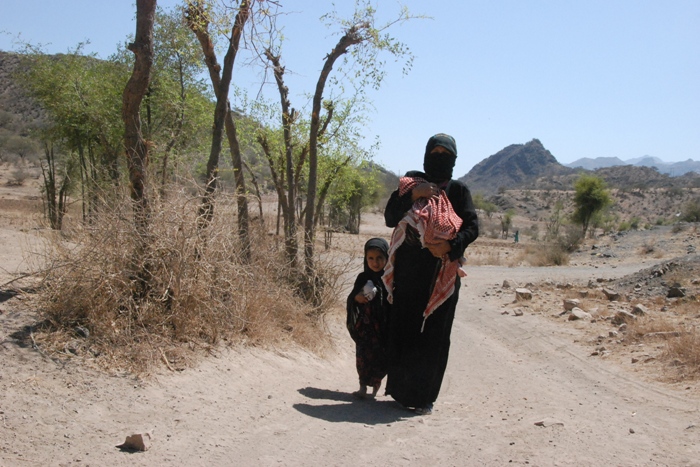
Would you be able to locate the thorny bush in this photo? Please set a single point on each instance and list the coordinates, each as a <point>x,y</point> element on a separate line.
<point>200,292</point>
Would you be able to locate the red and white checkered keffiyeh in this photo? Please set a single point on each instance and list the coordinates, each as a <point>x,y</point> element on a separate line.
<point>435,220</point>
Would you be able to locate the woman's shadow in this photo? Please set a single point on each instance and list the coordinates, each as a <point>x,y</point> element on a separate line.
<point>349,408</point>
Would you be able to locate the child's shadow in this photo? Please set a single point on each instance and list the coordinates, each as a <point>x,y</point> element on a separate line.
<point>354,410</point>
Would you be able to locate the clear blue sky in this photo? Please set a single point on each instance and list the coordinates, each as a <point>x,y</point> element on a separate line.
<point>593,78</point>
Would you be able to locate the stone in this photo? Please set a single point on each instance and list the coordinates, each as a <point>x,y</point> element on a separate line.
<point>509,284</point>
<point>571,303</point>
<point>639,310</point>
<point>523,294</point>
<point>549,422</point>
<point>611,294</point>
<point>676,292</point>
<point>578,313</point>
<point>137,442</point>
<point>622,317</point>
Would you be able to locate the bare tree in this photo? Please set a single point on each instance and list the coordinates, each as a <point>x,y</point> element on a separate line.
<point>198,21</point>
<point>362,33</point>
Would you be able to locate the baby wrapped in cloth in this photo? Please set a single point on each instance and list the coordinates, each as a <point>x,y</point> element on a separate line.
<point>435,220</point>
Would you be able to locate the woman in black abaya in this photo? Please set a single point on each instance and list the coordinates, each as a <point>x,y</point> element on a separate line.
<point>419,348</point>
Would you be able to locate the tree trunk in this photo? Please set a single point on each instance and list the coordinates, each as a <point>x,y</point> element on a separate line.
<point>350,38</point>
<point>258,194</point>
<point>223,118</point>
<point>134,144</point>
<point>292,175</point>
<point>175,134</point>
<point>290,233</point>
<point>323,192</point>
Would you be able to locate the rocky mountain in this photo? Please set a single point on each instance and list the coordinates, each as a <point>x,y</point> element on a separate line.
<point>514,166</point>
<point>673,169</point>
<point>531,166</point>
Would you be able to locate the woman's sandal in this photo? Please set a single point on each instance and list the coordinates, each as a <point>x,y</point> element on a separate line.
<point>427,410</point>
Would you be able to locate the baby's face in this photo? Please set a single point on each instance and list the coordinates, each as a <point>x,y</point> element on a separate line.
<point>375,260</point>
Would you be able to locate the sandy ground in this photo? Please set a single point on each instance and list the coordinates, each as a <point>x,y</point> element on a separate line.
<point>519,390</point>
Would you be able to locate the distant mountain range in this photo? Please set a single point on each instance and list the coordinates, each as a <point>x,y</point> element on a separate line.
<point>673,169</point>
<point>532,166</point>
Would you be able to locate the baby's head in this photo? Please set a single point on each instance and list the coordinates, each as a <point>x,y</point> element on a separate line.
<point>376,254</point>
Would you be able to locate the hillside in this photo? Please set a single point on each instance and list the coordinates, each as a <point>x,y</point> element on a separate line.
<point>513,166</point>
<point>531,166</point>
<point>640,207</point>
<point>14,104</point>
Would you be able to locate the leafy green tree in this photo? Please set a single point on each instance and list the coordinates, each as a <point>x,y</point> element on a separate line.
<point>178,105</point>
<point>355,189</point>
<point>591,196</point>
<point>364,41</point>
<point>343,127</point>
<point>361,42</point>
<point>82,97</point>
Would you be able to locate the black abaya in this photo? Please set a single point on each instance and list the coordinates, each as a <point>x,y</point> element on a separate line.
<point>417,360</point>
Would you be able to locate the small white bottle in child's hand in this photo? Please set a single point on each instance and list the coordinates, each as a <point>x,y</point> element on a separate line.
<point>369,290</point>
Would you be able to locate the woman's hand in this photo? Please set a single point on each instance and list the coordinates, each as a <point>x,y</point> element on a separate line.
<point>440,249</point>
<point>359,298</point>
<point>425,190</point>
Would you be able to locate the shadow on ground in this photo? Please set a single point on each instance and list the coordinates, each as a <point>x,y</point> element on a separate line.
<point>350,409</point>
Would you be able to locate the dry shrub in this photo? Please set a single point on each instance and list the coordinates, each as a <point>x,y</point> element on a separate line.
<point>684,353</point>
<point>688,307</point>
<point>546,254</point>
<point>517,259</point>
<point>648,247</point>
<point>647,325</point>
<point>491,257</point>
<point>179,289</point>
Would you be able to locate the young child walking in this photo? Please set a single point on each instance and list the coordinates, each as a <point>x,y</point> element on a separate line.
<point>368,318</point>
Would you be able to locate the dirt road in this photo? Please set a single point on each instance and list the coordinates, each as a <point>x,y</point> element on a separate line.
<point>518,390</point>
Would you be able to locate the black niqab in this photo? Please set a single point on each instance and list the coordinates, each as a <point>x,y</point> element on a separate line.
<point>438,167</point>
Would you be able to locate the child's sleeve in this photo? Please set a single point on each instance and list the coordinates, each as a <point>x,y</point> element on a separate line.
<point>351,305</point>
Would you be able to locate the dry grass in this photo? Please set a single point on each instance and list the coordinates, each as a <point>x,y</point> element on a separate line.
<point>675,331</point>
<point>649,325</point>
<point>200,293</point>
<point>542,254</point>
<point>683,354</point>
